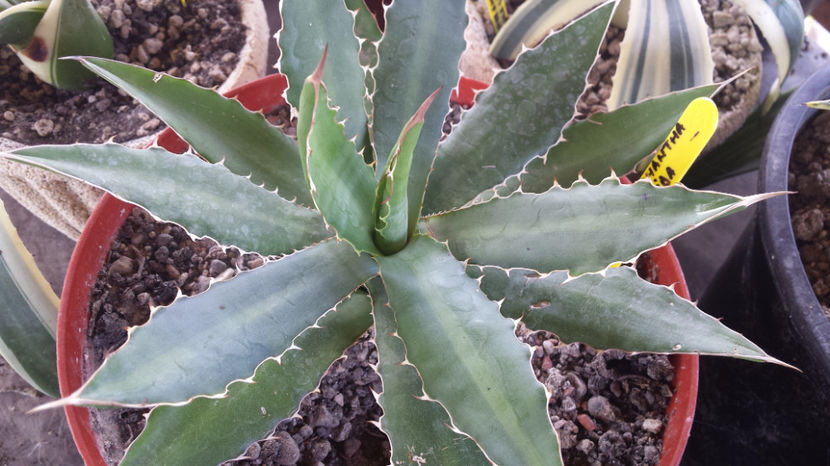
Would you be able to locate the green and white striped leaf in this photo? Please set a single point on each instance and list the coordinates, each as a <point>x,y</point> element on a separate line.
<point>225,131</point>
<point>517,118</point>
<point>533,21</point>
<point>18,23</point>
<point>340,183</point>
<point>467,356</point>
<point>199,432</point>
<point>819,104</point>
<point>198,345</point>
<point>781,22</point>
<point>208,200</point>
<point>581,229</point>
<point>419,53</point>
<point>417,426</point>
<point>28,313</point>
<point>67,28</point>
<point>4,4</point>
<point>665,48</point>
<point>609,141</point>
<point>391,201</point>
<point>309,26</point>
<point>616,309</point>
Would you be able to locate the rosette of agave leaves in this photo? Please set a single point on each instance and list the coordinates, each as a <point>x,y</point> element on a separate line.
<point>440,246</point>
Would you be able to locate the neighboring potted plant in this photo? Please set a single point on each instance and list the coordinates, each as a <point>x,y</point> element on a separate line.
<point>684,47</point>
<point>764,291</point>
<point>382,231</point>
<point>65,204</point>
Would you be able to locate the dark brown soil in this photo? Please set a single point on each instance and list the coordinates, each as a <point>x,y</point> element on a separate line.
<point>608,407</point>
<point>333,424</point>
<point>199,41</point>
<point>809,177</point>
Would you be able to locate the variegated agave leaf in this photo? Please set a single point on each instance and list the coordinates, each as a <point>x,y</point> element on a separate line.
<point>65,28</point>
<point>28,313</point>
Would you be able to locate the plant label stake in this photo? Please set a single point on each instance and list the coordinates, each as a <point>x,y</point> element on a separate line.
<point>684,143</point>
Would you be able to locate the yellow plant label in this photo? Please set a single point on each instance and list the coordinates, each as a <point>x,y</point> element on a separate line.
<point>684,143</point>
<point>498,13</point>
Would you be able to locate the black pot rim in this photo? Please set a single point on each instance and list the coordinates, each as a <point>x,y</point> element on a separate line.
<point>775,224</point>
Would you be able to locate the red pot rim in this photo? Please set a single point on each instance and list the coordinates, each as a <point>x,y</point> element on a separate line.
<point>110,213</point>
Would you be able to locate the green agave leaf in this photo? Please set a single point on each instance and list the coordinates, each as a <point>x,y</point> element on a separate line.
<point>533,21</point>
<point>616,309</point>
<point>740,152</point>
<point>28,313</point>
<point>309,26</point>
<point>199,432</point>
<point>341,185</point>
<point>609,141</point>
<point>520,116</point>
<point>467,356</point>
<point>419,53</point>
<point>581,229</point>
<point>417,426</point>
<point>67,28</point>
<point>197,345</point>
<point>18,23</point>
<point>224,133</point>
<point>391,201</point>
<point>781,22</point>
<point>224,206</point>
<point>665,48</point>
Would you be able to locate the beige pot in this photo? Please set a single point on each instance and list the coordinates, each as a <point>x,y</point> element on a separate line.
<point>66,203</point>
<point>476,62</point>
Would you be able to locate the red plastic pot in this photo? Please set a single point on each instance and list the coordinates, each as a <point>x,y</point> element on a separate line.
<point>110,213</point>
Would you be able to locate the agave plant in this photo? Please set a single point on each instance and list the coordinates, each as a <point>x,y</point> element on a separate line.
<point>667,48</point>
<point>43,31</point>
<point>442,270</point>
<point>658,33</point>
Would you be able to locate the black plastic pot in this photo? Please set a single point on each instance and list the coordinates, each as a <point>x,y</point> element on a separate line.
<point>760,413</point>
<point>809,5</point>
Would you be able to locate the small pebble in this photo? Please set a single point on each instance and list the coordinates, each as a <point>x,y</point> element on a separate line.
<point>43,127</point>
<point>600,407</point>
<point>652,425</point>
